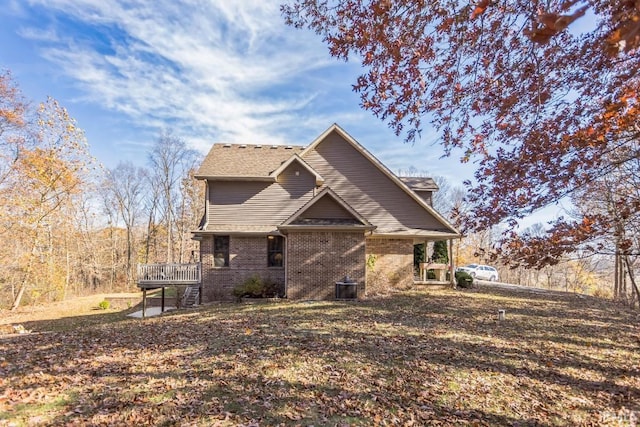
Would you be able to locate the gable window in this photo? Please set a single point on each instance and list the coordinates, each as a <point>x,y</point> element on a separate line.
<point>275,251</point>
<point>221,251</point>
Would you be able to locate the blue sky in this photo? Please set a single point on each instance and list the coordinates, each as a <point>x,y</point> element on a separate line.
<point>210,71</point>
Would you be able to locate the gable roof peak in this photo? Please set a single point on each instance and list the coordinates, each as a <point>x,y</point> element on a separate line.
<point>296,158</point>
<point>357,220</point>
<point>380,166</point>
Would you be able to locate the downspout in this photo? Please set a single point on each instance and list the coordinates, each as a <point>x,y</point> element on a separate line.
<point>286,266</point>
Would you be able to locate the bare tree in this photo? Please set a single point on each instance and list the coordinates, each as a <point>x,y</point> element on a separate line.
<point>124,188</point>
<point>191,211</point>
<point>170,161</point>
<point>151,207</point>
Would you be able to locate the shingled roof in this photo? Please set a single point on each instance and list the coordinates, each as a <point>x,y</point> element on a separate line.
<point>419,183</point>
<point>245,160</point>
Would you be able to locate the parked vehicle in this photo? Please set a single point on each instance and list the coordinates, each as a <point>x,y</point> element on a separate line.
<point>479,271</point>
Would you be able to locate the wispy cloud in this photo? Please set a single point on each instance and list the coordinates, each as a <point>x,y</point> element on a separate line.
<point>208,70</point>
<point>48,35</point>
<point>228,70</point>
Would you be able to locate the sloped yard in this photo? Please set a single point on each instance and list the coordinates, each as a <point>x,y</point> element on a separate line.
<point>425,357</point>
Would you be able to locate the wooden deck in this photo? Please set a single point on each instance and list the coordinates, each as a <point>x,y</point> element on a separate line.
<point>153,276</point>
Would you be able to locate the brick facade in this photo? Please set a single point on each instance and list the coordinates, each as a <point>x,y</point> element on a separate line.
<point>323,197</point>
<point>247,257</point>
<point>389,264</point>
<point>316,260</point>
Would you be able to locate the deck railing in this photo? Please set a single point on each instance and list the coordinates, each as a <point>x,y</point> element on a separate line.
<point>169,274</point>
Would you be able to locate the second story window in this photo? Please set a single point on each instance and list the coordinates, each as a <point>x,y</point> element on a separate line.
<point>275,251</point>
<point>221,251</point>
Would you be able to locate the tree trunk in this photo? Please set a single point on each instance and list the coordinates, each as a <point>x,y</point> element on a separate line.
<point>616,274</point>
<point>152,209</point>
<point>16,301</point>
<point>67,276</point>
<point>632,278</point>
<point>25,277</point>
<point>169,228</point>
<point>129,256</point>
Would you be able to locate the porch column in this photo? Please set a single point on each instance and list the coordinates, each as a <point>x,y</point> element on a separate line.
<point>452,269</point>
<point>423,270</point>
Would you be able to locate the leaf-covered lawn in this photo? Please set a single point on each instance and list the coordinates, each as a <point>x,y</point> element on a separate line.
<point>425,357</point>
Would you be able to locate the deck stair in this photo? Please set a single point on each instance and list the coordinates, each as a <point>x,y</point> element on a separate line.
<point>191,296</point>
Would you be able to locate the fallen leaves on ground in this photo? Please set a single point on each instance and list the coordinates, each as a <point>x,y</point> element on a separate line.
<point>423,357</point>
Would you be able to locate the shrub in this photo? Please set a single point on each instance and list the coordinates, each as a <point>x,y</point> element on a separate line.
<point>440,252</point>
<point>418,255</point>
<point>272,289</point>
<point>464,279</point>
<point>104,305</point>
<point>602,293</point>
<point>256,287</point>
<point>252,287</point>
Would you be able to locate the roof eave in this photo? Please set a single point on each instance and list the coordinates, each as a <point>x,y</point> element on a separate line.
<point>326,227</point>
<point>439,235</point>
<point>248,233</point>
<point>235,178</point>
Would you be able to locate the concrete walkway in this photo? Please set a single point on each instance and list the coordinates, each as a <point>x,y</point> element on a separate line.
<point>151,311</point>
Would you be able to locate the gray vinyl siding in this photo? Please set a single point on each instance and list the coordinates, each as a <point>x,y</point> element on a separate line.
<point>259,203</point>
<point>425,195</point>
<point>326,208</point>
<point>367,189</point>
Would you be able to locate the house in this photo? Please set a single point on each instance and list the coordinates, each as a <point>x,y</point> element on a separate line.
<point>307,217</point>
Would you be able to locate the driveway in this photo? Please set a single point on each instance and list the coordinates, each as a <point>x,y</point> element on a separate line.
<point>529,289</point>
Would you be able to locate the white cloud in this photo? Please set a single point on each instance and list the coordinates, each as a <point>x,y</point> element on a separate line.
<point>40,34</point>
<point>213,71</point>
<point>208,68</point>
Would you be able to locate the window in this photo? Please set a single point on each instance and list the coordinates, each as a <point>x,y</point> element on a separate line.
<point>221,251</point>
<point>275,253</point>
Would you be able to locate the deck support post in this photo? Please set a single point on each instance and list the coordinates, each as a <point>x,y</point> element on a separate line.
<point>159,276</point>
<point>144,302</point>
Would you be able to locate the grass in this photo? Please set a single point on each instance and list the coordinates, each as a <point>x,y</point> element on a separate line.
<point>415,358</point>
<point>66,315</point>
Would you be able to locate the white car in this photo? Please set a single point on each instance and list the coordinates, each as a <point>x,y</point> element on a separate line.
<point>482,272</point>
